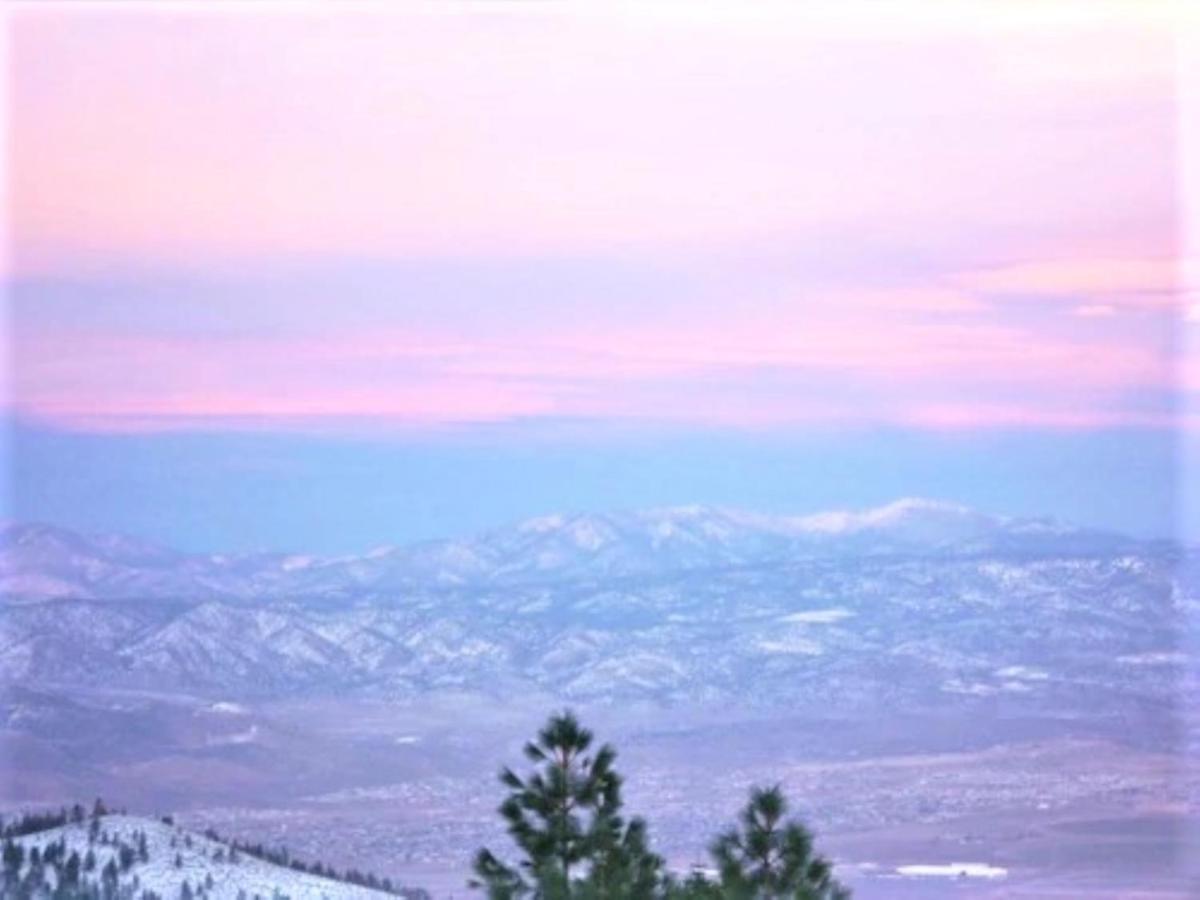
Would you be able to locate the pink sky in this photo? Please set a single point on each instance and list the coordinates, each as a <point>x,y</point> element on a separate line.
<point>921,217</point>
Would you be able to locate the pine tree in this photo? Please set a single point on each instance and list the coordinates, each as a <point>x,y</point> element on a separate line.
<point>694,887</point>
<point>71,870</point>
<point>621,863</point>
<point>14,859</point>
<point>770,858</point>
<point>564,818</point>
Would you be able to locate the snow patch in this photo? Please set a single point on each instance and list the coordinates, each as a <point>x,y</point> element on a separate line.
<point>541,525</point>
<point>953,870</point>
<point>973,688</point>
<point>1023,673</point>
<point>249,736</point>
<point>228,708</point>
<point>791,645</point>
<point>1171,658</point>
<point>818,616</point>
<point>847,522</point>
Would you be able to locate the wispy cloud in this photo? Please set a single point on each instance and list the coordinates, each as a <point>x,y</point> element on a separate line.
<point>807,364</point>
<point>942,230</point>
<point>209,136</point>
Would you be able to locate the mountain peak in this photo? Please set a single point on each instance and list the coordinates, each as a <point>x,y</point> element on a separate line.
<point>894,514</point>
<point>42,561</point>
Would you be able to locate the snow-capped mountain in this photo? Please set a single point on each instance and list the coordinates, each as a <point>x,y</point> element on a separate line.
<point>914,603</point>
<point>153,855</point>
<point>41,562</point>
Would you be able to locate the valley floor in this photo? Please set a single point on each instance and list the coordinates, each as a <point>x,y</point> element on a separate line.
<point>1044,809</point>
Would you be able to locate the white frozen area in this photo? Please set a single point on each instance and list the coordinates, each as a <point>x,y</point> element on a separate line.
<point>1166,658</point>
<point>793,644</point>
<point>249,736</point>
<point>1022,673</point>
<point>972,688</point>
<point>818,616</point>
<point>228,708</point>
<point>199,858</point>
<point>541,525</point>
<point>953,870</point>
<point>847,522</point>
<point>408,739</point>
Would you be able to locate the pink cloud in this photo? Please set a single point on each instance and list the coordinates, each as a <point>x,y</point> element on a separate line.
<point>971,417</point>
<point>219,139</point>
<point>1136,282</point>
<point>897,369</point>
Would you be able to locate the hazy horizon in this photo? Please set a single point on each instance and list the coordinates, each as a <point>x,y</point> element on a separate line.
<point>770,258</point>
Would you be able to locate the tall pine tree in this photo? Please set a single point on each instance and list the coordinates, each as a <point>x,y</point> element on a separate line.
<point>565,819</point>
<point>770,858</point>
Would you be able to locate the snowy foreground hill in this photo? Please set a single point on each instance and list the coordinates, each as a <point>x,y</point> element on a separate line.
<point>175,863</point>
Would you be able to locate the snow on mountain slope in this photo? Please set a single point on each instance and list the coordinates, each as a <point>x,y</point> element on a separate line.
<point>175,856</point>
<point>41,562</point>
<point>665,604</point>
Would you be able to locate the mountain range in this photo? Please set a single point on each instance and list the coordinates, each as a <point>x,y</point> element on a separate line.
<point>911,605</point>
<point>42,561</point>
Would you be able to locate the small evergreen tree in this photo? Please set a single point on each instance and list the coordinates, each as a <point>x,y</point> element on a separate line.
<point>14,859</point>
<point>13,856</point>
<point>565,820</point>
<point>71,869</point>
<point>694,887</point>
<point>769,858</point>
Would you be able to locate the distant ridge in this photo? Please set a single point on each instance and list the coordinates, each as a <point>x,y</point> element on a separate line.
<point>918,603</point>
<point>43,561</point>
